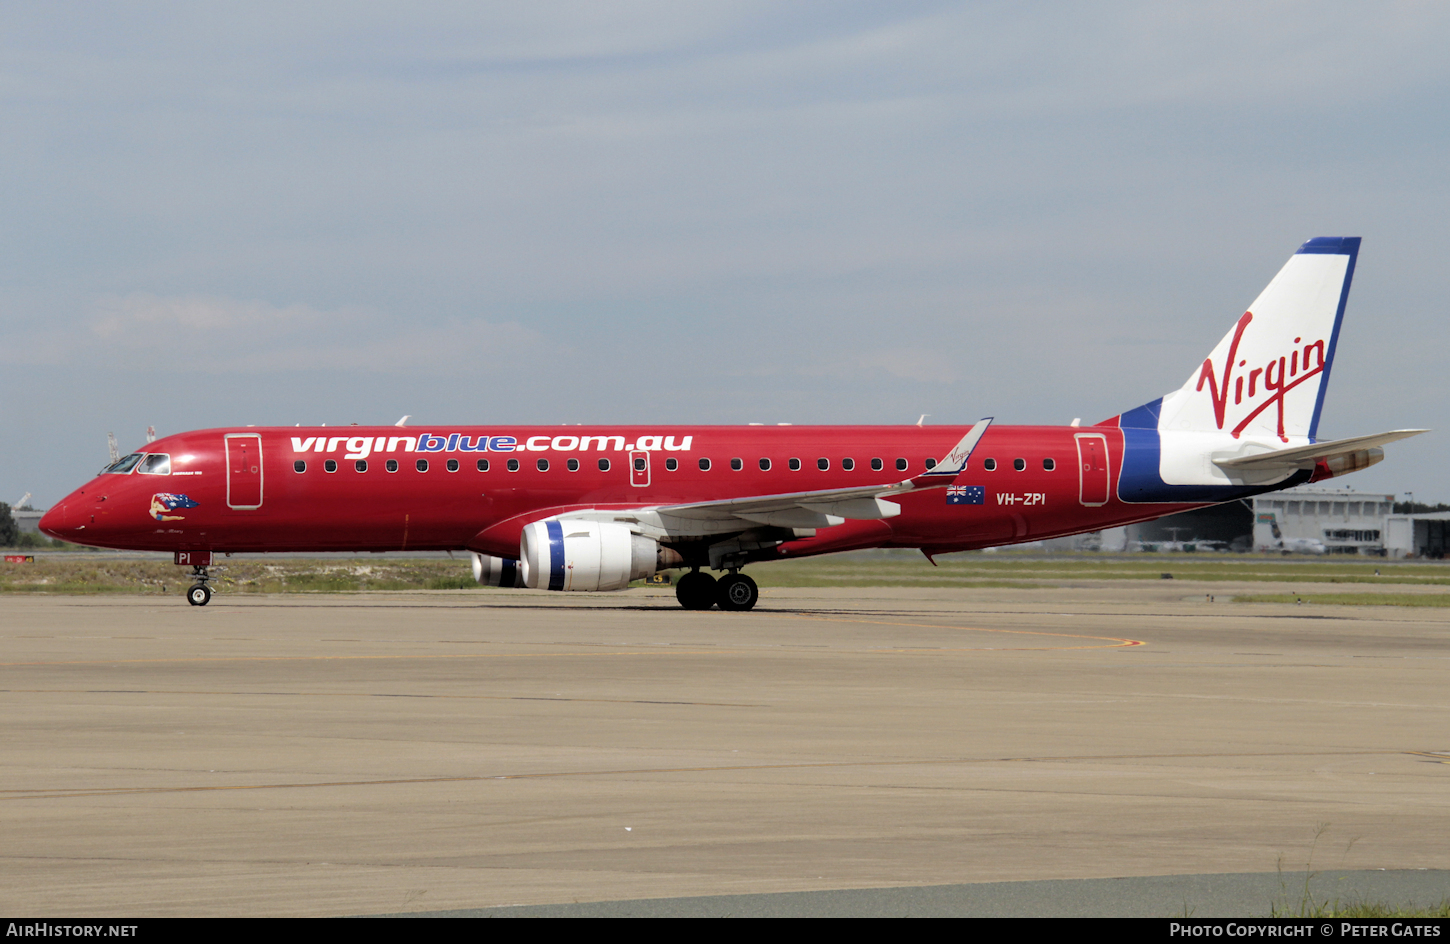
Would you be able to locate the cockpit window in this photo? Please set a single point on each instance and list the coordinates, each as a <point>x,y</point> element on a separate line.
<point>126,464</point>
<point>158,463</point>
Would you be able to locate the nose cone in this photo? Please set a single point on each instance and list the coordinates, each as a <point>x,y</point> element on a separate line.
<point>53,521</point>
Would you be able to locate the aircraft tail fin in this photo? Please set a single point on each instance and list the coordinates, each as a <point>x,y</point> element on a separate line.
<point>1266,379</point>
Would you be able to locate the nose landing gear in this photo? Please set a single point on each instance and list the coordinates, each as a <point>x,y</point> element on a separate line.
<point>200,593</point>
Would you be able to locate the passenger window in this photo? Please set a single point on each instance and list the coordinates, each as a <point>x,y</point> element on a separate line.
<point>901,465</point>
<point>155,464</point>
<point>361,465</point>
<point>765,465</point>
<point>483,465</point>
<point>639,464</point>
<point>422,465</point>
<point>299,466</point>
<point>672,463</point>
<point>543,465</point>
<point>391,465</point>
<point>1019,464</point>
<point>452,465</point>
<point>877,465</point>
<point>603,465</point>
<point>704,465</point>
<point>736,465</point>
<point>513,465</point>
<point>573,465</point>
<point>930,464</point>
<point>1048,464</point>
<point>795,465</point>
<point>989,464</point>
<point>823,464</point>
<point>848,464</point>
<point>330,465</point>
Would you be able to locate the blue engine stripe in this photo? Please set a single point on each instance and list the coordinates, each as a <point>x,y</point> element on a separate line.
<point>510,573</point>
<point>556,554</point>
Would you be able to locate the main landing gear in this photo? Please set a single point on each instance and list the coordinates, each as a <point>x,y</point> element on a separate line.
<point>200,593</point>
<point>735,591</point>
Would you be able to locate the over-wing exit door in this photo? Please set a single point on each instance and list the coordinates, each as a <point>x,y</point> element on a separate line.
<point>639,468</point>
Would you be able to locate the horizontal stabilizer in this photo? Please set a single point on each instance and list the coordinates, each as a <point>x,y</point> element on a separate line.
<point>1306,457</point>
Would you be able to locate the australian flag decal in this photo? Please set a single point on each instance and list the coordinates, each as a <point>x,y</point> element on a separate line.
<point>966,495</point>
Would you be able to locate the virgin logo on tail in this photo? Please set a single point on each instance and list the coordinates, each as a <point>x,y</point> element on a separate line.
<point>1272,381</point>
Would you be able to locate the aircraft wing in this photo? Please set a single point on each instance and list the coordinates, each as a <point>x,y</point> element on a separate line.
<point>826,507</point>
<point>1307,457</point>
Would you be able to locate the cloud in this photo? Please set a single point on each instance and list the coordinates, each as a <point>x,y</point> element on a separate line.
<point>210,334</point>
<point>905,363</point>
<point>138,318</point>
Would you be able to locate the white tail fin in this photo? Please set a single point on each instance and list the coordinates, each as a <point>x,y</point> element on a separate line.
<point>1266,379</point>
<point>1260,390</point>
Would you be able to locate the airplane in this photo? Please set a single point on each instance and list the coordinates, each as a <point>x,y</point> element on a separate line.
<point>594,508</point>
<point>1303,546</point>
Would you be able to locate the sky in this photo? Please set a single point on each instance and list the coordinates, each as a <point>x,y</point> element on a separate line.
<point>714,212</point>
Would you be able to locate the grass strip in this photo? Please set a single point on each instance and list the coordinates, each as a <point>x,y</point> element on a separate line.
<point>1349,599</point>
<point>100,573</point>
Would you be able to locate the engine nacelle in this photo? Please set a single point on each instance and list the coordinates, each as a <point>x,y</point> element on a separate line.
<point>572,554</point>
<point>497,571</point>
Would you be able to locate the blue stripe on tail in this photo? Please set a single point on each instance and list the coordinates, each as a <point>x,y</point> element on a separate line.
<point>1139,481</point>
<point>1332,245</point>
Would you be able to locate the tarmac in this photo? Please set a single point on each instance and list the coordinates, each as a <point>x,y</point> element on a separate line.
<point>1113,748</point>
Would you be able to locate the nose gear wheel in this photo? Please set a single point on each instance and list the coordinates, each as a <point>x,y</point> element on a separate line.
<point>199,594</point>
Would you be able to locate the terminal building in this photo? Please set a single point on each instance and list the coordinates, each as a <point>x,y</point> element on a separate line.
<point>1314,520</point>
<point>1417,535</point>
<point>1309,519</point>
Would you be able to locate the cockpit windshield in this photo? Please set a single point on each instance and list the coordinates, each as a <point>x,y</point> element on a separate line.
<point>126,464</point>
<point>158,463</point>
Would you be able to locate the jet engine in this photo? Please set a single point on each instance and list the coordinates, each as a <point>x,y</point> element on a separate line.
<point>572,554</point>
<point>497,571</point>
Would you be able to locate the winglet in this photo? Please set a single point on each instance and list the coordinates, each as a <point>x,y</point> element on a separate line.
<point>956,460</point>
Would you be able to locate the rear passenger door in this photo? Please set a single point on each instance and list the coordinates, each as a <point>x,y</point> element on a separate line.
<point>1093,475</point>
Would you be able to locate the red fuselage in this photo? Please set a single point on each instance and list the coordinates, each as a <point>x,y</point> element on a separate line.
<point>455,488</point>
